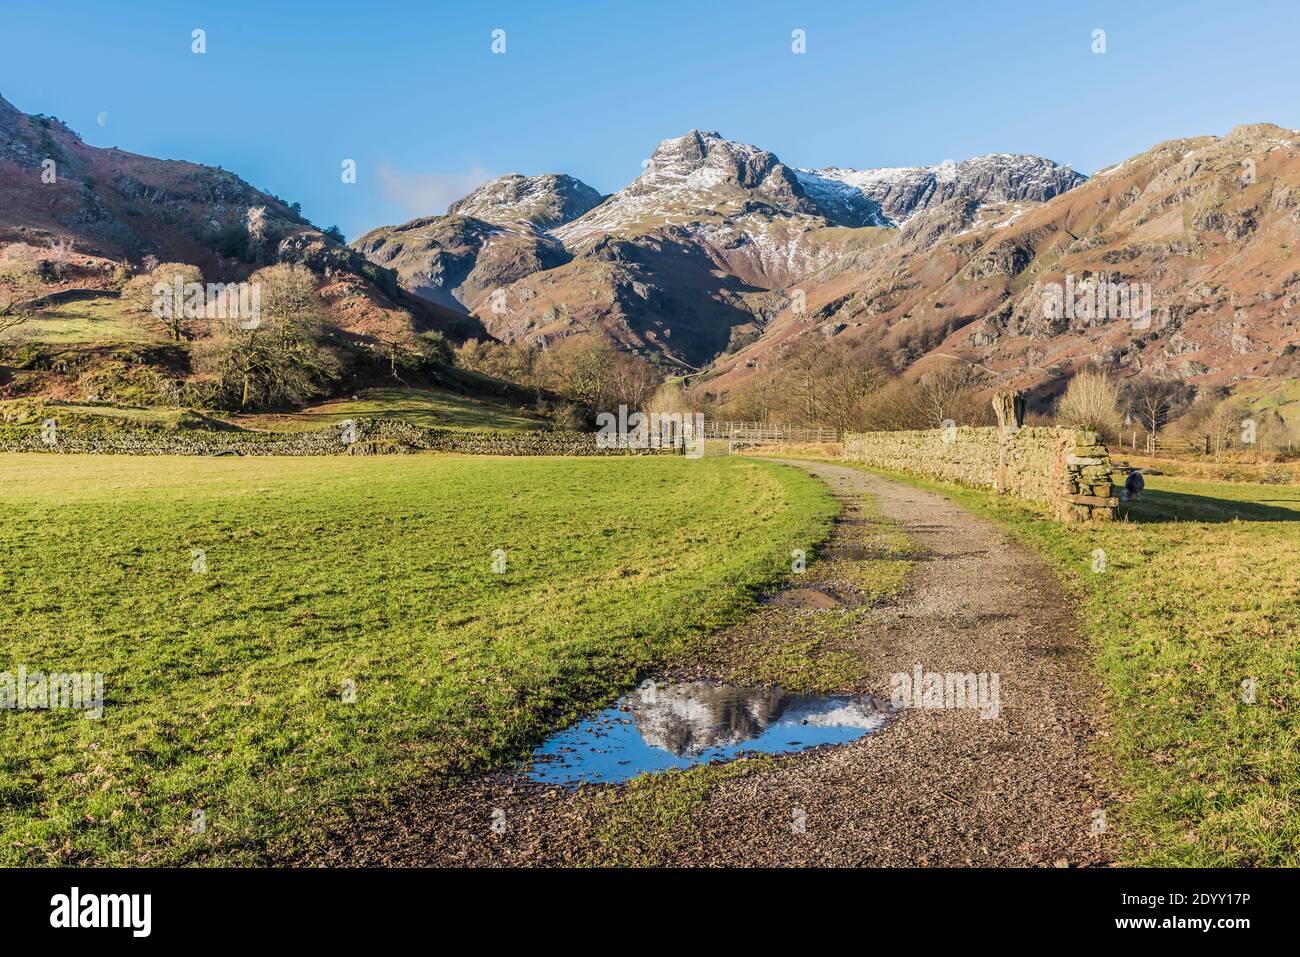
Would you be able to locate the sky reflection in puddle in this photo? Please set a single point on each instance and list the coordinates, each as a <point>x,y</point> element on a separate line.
<point>660,727</point>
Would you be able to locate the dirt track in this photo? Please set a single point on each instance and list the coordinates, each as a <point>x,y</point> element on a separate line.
<point>937,787</point>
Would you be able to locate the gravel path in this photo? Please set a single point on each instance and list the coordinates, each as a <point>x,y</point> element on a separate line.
<point>938,787</point>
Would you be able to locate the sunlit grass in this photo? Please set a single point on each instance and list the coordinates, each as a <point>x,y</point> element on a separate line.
<point>226,689</point>
<point>97,321</point>
<point>1200,592</point>
<point>424,407</point>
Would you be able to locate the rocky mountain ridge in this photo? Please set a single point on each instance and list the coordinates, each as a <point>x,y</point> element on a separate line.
<point>1204,232</point>
<point>544,202</point>
<point>112,206</point>
<point>902,192</point>
<point>687,260</point>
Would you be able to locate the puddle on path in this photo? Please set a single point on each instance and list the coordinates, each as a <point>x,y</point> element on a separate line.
<point>682,725</point>
<point>853,553</point>
<point>814,598</point>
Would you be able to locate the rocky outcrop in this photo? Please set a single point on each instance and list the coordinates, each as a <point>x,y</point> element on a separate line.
<point>902,192</point>
<point>455,261</point>
<point>697,177</point>
<point>493,237</point>
<point>544,202</point>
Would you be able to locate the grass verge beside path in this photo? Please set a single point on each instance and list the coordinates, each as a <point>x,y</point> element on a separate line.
<point>225,689</point>
<point>1196,593</point>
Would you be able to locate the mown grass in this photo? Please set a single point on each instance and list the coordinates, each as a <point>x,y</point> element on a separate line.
<point>226,688</point>
<point>1199,591</point>
<point>426,407</point>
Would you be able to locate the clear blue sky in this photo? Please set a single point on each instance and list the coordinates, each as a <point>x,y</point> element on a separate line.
<point>413,93</point>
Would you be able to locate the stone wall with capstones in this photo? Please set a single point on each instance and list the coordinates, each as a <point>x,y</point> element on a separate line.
<point>369,437</point>
<point>1066,469</point>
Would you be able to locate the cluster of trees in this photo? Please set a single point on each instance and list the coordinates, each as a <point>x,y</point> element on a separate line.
<point>816,383</point>
<point>278,355</point>
<point>846,386</point>
<point>282,352</point>
<point>587,376</point>
<point>1144,412</point>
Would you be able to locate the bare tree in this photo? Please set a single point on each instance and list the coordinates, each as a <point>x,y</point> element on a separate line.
<point>61,253</point>
<point>848,381</point>
<point>759,399</point>
<point>12,315</point>
<point>1091,401</point>
<point>896,405</point>
<point>1223,424</point>
<point>1152,401</point>
<point>14,304</point>
<point>597,375</point>
<point>279,358</point>
<point>153,299</point>
<point>946,394</point>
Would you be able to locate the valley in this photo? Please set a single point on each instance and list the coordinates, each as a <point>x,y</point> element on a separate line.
<point>330,540</point>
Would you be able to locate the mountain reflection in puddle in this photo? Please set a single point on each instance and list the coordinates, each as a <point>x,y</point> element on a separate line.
<point>678,726</point>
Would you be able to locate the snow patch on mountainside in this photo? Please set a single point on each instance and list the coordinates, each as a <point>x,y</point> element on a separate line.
<point>902,192</point>
<point>544,201</point>
<point>694,178</point>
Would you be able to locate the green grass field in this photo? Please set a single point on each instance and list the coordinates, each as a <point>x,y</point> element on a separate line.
<point>225,689</point>
<point>34,411</point>
<point>426,407</point>
<point>1268,395</point>
<point>94,321</point>
<point>1200,592</point>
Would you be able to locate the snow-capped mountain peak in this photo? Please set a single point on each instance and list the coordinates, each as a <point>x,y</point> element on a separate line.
<point>700,176</point>
<point>545,201</point>
<point>904,191</point>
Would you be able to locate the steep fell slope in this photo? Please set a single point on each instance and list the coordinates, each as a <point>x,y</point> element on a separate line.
<point>1205,229</point>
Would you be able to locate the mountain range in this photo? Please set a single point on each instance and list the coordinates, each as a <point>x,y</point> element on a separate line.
<point>686,263</point>
<point>718,256</point>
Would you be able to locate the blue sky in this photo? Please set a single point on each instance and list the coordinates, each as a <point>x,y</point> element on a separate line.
<point>412,92</point>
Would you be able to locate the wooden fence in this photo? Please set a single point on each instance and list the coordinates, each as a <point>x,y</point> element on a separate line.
<point>766,432</point>
<point>1159,445</point>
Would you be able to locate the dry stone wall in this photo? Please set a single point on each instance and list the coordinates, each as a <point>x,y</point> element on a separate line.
<point>1066,469</point>
<point>371,437</point>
